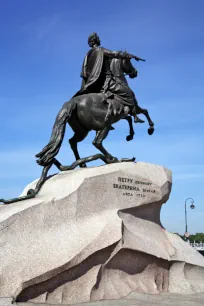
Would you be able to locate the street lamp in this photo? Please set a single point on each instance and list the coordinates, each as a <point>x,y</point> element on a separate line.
<point>192,206</point>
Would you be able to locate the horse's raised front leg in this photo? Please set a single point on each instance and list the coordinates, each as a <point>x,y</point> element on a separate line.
<point>129,120</point>
<point>146,114</point>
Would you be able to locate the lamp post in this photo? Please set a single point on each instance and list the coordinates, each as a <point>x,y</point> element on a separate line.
<point>192,206</point>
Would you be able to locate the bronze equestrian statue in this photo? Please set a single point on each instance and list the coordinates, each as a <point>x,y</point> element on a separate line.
<point>104,99</point>
<point>98,77</point>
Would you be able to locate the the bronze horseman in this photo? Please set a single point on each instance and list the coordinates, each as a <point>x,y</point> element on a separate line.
<point>97,76</point>
<point>104,99</point>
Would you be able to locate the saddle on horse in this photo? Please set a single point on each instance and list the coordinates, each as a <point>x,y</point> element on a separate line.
<point>97,76</point>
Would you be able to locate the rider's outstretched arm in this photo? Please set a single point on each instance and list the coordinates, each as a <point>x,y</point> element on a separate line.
<point>120,54</point>
<point>117,54</point>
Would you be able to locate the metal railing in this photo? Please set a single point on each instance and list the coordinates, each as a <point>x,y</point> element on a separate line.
<point>198,246</point>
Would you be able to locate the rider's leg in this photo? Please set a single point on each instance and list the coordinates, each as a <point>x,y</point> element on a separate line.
<point>135,112</point>
<point>136,118</point>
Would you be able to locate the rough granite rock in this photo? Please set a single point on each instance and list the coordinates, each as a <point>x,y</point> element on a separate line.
<point>133,299</point>
<point>95,234</point>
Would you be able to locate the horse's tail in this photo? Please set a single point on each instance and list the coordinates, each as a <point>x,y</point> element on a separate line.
<point>46,156</point>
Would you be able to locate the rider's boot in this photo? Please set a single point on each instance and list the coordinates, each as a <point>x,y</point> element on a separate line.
<point>136,118</point>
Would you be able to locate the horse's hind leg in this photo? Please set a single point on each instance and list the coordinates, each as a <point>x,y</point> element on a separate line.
<point>100,136</point>
<point>78,136</point>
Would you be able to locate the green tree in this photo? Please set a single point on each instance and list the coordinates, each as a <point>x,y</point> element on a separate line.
<point>198,237</point>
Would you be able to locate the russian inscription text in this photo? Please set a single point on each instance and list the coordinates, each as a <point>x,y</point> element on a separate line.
<point>139,190</point>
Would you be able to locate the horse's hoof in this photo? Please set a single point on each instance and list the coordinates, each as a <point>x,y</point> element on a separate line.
<point>127,159</point>
<point>129,137</point>
<point>83,166</point>
<point>111,160</point>
<point>150,130</point>
<point>31,192</point>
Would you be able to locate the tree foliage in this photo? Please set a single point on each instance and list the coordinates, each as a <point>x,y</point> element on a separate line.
<point>198,237</point>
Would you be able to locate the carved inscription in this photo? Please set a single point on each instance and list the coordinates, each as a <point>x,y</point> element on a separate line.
<point>129,187</point>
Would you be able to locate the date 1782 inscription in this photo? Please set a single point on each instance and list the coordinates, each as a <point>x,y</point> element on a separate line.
<point>130,187</point>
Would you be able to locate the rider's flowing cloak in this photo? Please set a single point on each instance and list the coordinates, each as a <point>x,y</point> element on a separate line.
<point>93,80</point>
<point>91,71</point>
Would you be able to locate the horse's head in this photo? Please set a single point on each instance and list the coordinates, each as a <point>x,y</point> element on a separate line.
<point>119,67</point>
<point>128,68</point>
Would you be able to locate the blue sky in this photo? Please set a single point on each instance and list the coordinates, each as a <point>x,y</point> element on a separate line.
<point>43,43</point>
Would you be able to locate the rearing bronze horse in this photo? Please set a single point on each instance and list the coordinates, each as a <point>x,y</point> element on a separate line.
<point>85,113</point>
<point>88,112</point>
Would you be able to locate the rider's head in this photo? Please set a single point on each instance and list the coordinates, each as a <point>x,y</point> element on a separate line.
<point>94,40</point>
